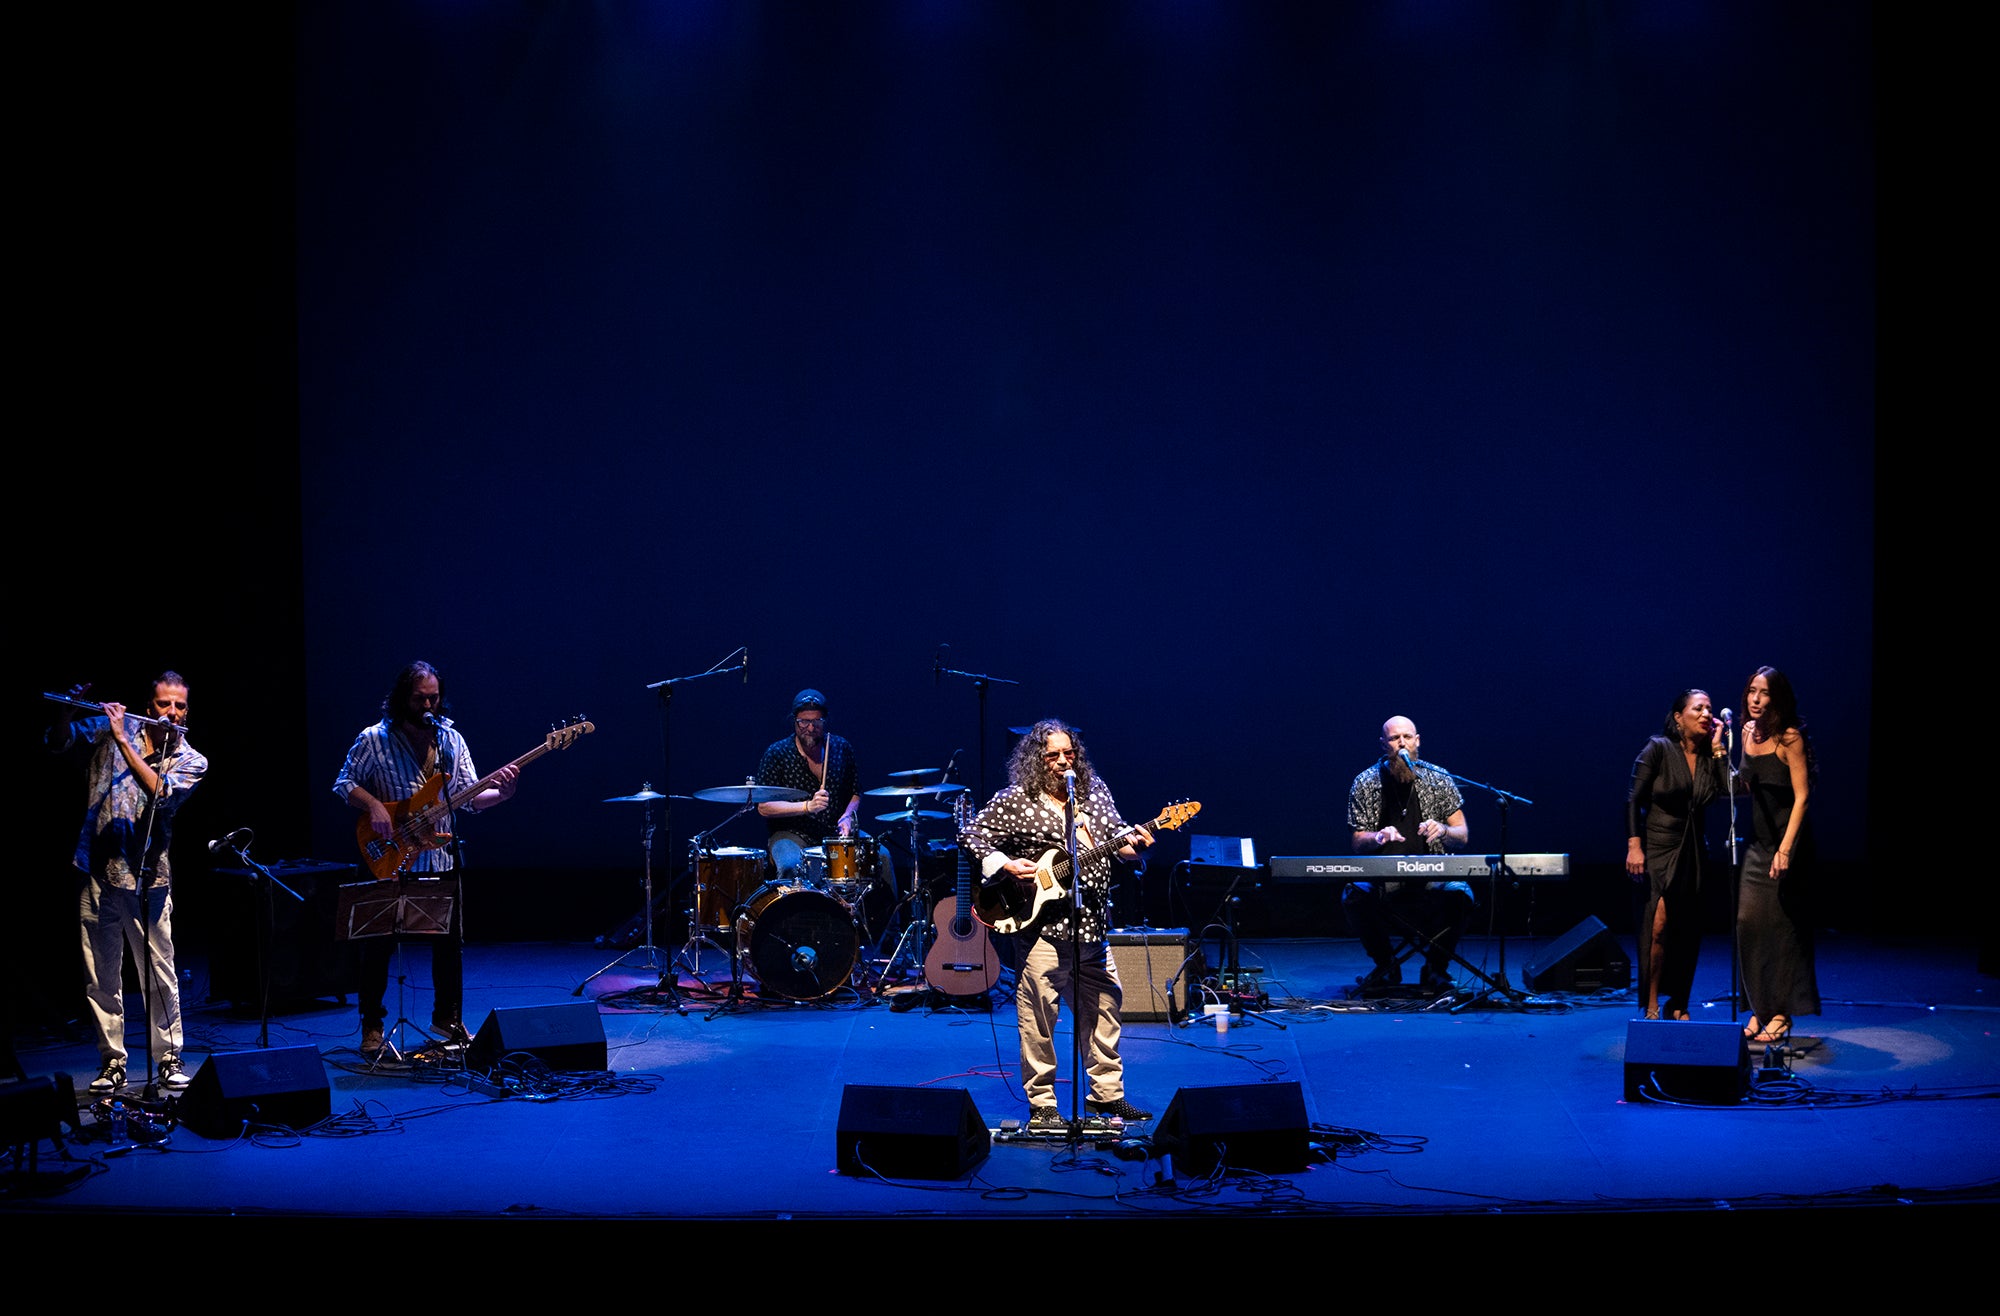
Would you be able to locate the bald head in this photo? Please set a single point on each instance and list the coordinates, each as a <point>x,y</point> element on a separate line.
<point>1399,737</point>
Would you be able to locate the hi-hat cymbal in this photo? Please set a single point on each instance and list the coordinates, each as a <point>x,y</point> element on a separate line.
<point>908,814</point>
<point>913,772</point>
<point>646,796</point>
<point>942,788</point>
<point>749,793</point>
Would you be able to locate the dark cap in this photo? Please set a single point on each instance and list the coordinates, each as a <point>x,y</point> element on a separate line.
<point>808,698</point>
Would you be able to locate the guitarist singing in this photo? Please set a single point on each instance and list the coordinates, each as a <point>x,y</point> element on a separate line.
<point>1011,836</point>
<point>391,761</point>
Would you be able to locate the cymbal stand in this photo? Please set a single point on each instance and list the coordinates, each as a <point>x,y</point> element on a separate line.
<point>911,940</point>
<point>652,960</point>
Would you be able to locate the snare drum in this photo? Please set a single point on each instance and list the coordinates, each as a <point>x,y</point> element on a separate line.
<point>803,943</point>
<point>722,879</point>
<point>850,866</point>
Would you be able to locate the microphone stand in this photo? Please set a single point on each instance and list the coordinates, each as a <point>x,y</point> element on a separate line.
<point>1496,982</point>
<point>1738,996</point>
<point>263,879</point>
<point>1076,1078</point>
<point>665,690</point>
<point>458,905</point>
<point>980,682</point>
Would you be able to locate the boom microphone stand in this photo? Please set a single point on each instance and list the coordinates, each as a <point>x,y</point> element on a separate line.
<point>980,682</point>
<point>1495,982</point>
<point>665,690</point>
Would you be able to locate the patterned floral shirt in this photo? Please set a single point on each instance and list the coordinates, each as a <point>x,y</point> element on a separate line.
<point>1437,799</point>
<point>784,765</point>
<point>1016,825</point>
<point>115,820</point>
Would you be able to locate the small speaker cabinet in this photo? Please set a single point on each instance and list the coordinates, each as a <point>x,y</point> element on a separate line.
<point>1147,959</point>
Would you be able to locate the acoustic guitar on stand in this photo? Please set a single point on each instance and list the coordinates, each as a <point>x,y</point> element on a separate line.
<point>961,961</point>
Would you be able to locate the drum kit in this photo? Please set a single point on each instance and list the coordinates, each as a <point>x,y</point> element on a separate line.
<point>800,938</point>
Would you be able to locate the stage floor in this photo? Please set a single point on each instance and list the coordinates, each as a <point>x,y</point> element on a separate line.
<point>731,1113</point>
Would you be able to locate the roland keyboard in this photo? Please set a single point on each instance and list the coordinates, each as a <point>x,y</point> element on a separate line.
<point>1420,867</point>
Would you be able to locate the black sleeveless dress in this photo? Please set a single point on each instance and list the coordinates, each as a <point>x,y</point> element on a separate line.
<point>1773,930</point>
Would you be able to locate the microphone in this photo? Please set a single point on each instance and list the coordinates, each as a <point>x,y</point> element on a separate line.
<point>1069,782</point>
<point>1408,762</point>
<point>746,664</point>
<point>228,840</point>
<point>1727,717</point>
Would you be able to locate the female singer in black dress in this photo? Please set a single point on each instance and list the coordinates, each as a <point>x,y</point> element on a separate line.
<point>1773,934</point>
<point>1673,780</point>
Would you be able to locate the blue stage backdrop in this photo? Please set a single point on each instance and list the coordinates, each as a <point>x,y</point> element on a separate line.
<point>1228,376</point>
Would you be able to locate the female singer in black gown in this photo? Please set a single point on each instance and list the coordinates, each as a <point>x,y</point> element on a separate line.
<point>1773,934</point>
<point>1673,780</point>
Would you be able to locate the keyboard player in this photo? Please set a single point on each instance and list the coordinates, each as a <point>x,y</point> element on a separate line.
<point>1403,805</point>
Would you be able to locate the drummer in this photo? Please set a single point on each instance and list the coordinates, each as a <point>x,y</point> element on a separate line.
<point>813,760</point>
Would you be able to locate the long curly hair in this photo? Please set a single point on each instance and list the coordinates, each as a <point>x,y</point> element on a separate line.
<point>1028,770</point>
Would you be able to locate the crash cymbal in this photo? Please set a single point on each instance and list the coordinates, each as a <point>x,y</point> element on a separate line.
<point>908,814</point>
<point>750,793</point>
<point>942,788</point>
<point>907,773</point>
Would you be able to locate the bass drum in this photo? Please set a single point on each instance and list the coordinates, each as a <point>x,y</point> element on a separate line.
<point>803,943</point>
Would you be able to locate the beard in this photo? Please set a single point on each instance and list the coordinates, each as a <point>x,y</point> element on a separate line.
<point>1400,770</point>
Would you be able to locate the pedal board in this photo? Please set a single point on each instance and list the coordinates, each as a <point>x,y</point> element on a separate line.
<point>1091,1128</point>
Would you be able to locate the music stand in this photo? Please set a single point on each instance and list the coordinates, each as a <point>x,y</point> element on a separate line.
<point>412,905</point>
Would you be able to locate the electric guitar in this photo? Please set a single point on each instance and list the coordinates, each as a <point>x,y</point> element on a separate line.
<point>1016,904</point>
<point>423,821</point>
<point>961,961</point>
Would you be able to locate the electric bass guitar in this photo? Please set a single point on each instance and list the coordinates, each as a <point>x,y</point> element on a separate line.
<point>423,821</point>
<point>961,961</point>
<point>1007,903</point>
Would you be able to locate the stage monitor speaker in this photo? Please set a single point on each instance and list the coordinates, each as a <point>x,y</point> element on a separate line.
<point>1245,1126</point>
<point>568,1038</point>
<point>1146,959</point>
<point>910,1133</point>
<point>1678,1061</point>
<point>32,1109</point>
<point>283,1086</point>
<point>1587,958</point>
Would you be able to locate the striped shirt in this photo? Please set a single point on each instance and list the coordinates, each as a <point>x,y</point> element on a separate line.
<point>383,764</point>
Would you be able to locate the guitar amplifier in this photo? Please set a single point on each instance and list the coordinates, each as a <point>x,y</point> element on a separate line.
<point>306,963</point>
<point>1148,959</point>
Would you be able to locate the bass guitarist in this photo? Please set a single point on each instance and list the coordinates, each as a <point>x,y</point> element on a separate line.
<point>1068,954</point>
<point>392,761</point>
